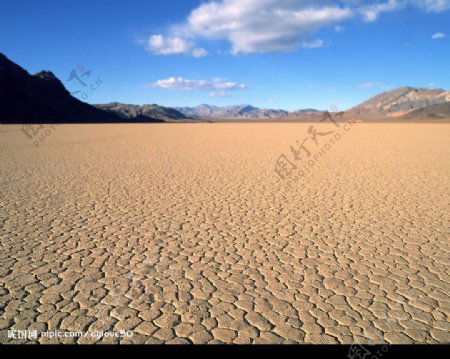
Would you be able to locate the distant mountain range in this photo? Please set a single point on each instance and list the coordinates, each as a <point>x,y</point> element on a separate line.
<point>238,111</point>
<point>42,98</point>
<point>201,112</point>
<point>128,112</point>
<point>229,112</point>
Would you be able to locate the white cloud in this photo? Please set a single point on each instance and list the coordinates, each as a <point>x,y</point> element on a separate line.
<point>218,87</point>
<point>432,5</point>
<point>438,35</point>
<point>371,12</point>
<point>181,84</point>
<point>199,52</point>
<point>161,45</point>
<point>262,26</point>
<point>258,26</point>
<point>313,44</point>
<point>222,84</point>
<point>371,9</point>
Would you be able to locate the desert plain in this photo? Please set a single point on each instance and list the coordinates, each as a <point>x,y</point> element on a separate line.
<point>185,233</point>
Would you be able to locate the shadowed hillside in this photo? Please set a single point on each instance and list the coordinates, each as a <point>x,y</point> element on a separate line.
<point>42,98</point>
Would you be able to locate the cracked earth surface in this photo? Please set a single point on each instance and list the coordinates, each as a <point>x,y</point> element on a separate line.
<point>184,233</point>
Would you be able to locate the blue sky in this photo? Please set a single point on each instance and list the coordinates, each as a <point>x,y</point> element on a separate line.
<point>288,54</point>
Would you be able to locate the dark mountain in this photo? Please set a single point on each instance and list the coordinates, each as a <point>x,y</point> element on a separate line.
<point>42,98</point>
<point>127,111</point>
<point>402,100</point>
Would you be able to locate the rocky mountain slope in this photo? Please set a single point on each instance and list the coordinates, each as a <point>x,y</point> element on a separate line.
<point>128,111</point>
<point>402,100</point>
<point>434,112</point>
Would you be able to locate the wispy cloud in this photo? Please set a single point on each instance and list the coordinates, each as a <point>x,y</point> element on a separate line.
<point>369,85</point>
<point>371,12</point>
<point>438,35</point>
<point>160,45</point>
<point>219,94</point>
<point>432,85</point>
<point>313,44</point>
<point>432,5</point>
<point>218,87</point>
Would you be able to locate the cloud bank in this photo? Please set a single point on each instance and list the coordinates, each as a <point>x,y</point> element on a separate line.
<point>262,26</point>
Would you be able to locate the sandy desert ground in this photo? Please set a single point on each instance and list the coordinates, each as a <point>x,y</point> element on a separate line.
<point>184,233</point>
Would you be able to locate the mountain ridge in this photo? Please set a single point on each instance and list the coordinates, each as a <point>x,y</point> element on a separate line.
<point>42,98</point>
<point>402,100</point>
<point>130,111</point>
<point>227,112</point>
<point>435,112</point>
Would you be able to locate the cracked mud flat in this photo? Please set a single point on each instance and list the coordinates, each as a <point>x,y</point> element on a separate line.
<point>184,233</point>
